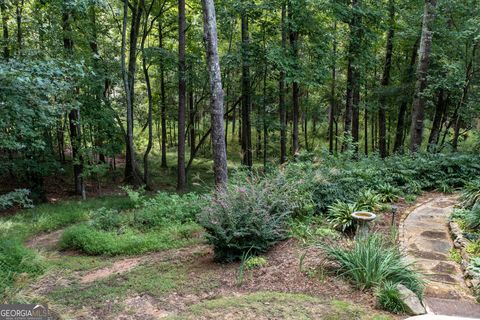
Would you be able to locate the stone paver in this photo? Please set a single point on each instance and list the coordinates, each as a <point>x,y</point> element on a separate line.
<point>426,240</point>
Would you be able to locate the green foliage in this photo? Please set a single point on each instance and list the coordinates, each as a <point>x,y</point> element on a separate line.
<point>474,266</point>
<point>340,215</point>
<point>388,298</point>
<point>164,208</point>
<point>470,196</point>
<point>255,262</point>
<point>388,192</point>
<point>18,197</point>
<point>90,240</point>
<point>368,200</point>
<point>373,261</point>
<point>472,217</point>
<point>15,261</point>
<point>454,255</point>
<point>249,218</point>
<point>107,219</point>
<point>136,196</point>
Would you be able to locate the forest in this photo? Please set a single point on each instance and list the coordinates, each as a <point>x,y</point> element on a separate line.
<point>173,158</point>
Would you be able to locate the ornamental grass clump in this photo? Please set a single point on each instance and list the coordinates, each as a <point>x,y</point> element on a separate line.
<point>373,261</point>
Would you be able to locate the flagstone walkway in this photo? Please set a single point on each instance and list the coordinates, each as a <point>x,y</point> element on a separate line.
<point>425,238</point>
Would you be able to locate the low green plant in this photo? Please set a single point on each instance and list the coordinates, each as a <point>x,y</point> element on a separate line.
<point>388,192</point>
<point>472,217</point>
<point>255,262</point>
<point>474,266</point>
<point>107,219</point>
<point>245,218</point>
<point>368,200</point>
<point>340,215</point>
<point>136,196</point>
<point>473,248</point>
<point>18,197</point>
<point>389,299</point>
<point>373,261</point>
<point>470,196</point>
<point>454,255</point>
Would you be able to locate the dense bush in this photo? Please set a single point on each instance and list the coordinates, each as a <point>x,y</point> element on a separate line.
<point>372,262</point>
<point>249,218</point>
<point>340,215</point>
<point>470,196</point>
<point>107,219</point>
<point>18,197</point>
<point>164,208</point>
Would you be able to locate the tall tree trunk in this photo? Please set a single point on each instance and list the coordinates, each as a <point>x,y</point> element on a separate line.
<point>418,106</point>
<point>216,94</point>
<point>246,94</point>
<point>437,120</point>
<point>331,113</point>
<point>293,35</point>
<point>19,11</point>
<point>74,114</point>
<point>191,115</point>
<point>281,91</point>
<point>146,154</point>
<point>6,47</point>
<point>401,127</point>
<point>131,175</point>
<point>163,101</point>
<point>386,81</point>
<point>182,87</point>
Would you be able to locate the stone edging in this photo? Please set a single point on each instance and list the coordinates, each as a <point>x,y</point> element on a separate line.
<point>461,243</point>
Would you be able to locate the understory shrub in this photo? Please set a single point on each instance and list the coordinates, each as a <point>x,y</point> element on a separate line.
<point>18,197</point>
<point>372,262</point>
<point>470,196</point>
<point>388,298</point>
<point>249,218</point>
<point>107,219</point>
<point>164,208</point>
<point>340,215</point>
<point>388,192</point>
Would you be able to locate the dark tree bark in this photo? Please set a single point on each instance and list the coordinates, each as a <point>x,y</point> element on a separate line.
<point>19,11</point>
<point>3,11</point>
<point>408,77</point>
<point>131,175</point>
<point>382,142</point>
<point>163,101</point>
<point>437,120</point>
<point>281,92</point>
<point>246,136</point>
<point>293,36</point>
<point>418,106</point>
<point>182,87</point>
<point>216,94</point>
<point>74,114</point>
<point>331,111</point>
<point>191,116</point>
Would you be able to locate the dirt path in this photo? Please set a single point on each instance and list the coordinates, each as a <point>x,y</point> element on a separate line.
<point>426,239</point>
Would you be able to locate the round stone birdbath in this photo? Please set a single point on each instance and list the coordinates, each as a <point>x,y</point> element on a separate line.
<point>363,219</point>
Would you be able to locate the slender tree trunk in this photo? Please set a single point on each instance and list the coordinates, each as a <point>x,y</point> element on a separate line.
<point>216,94</point>
<point>163,101</point>
<point>437,119</point>
<point>401,127</point>
<point>281,92</point>
<point>191,114</point>
<point>19,11</point>
<point>182,86</point>
<point>6,39</point>
<point>386,81</point>
<point>293,35</point>
<point>246,102</point>
<point>418,106</point>
<point>131,175</point>
<point>331,113</point>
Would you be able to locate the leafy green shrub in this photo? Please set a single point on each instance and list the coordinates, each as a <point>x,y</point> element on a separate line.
<point>107,219</point>
<point>254,262</point>
<point>472,217</point>
<point>16,259</point>
<point>470,196</point>
<point>474,266</point>
<point>136,196</point>
<point>164,208</point>
<point>18,197</point>
<point>87,239</point>
<point>368,200</point>
<point>388,193</point>
<point>340,215</point>
<point>373,261</point>
<point>249,218</point>
<point>388,298</point>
